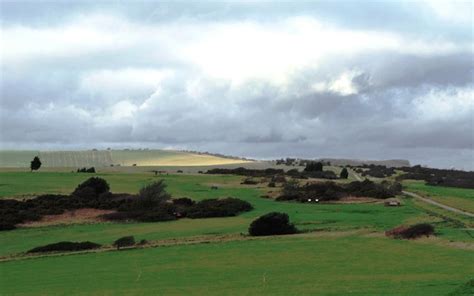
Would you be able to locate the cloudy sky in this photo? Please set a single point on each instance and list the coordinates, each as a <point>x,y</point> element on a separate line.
<point>373,80</point>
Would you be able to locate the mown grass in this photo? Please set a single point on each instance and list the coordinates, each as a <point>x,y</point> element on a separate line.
<point>460,198</point>
<point>312,265</point>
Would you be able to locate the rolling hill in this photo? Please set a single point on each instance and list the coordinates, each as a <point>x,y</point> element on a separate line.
<point>106,158</point>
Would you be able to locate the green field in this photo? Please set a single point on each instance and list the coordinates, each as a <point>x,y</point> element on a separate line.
<point>460,198</point>
<point>277,266</point>
<point>107,158</point>
<point>346,251</point>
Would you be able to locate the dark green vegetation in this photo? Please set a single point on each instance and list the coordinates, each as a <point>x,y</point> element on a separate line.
<point>126,241</point>
<point>151,205</point>
<point>35,164</point>
<point>412,232</point>
<point>438,177</point>
<point>272,224</point>
<point>340,243</point>
<point>327,191</point>
<point>65,247</point>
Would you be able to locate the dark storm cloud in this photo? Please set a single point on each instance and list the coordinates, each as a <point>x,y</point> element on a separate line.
<point>390,80</point>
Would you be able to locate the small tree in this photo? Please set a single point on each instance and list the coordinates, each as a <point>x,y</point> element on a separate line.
<point>35,164</point>
<point>344,174</point>
<point>125,241</point>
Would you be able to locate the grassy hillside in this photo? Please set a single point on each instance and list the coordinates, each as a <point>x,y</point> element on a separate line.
<point>304,265</point>
<point>107,158</point>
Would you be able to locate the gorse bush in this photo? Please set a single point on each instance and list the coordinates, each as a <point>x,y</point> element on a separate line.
<point>151,205</point>
<point>218,208</point>
<point>98,185</point>
<point>272,224</point>
<point>417,230</point>
<point>326,191</point>
<point>65,246</point>
<point>151,196</point>
<point>126,241</point>
<point>411,232</point>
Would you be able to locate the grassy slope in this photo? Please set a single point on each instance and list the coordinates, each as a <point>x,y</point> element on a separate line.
<point>105,158</point>
<point>9,158</point>
<point>277,266</point>
<point>460,198</point>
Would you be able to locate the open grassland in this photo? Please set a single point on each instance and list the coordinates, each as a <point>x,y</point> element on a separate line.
<point>461,198</point>
<point>345,253</point>
<point>322,217</point>
<point>107,158</point>
<point>291,265</point>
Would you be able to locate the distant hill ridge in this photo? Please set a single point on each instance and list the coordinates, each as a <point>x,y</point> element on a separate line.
<point>355,162</point>
<point>106,158</point>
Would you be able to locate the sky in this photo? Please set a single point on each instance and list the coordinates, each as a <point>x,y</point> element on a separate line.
<point>342,79</point>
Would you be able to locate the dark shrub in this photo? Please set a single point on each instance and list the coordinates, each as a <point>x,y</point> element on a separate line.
<point>35,163</point>
<point>125,241</point>
<point>272,224</point>
<point>99,185</point>
<point>314,167</point>
<point>183,201</point>
<point>344,174</point>
<point>418,230</point>
<point>65,246</point>
<point>271,184</point>
<point>6,226</point>
<point>85,193</point>
<point>86,170</point>
<point>368,188</point>
<point>153,194</point>
<point>411,232</point>
<point>249,181</point>
<point>218,208</point>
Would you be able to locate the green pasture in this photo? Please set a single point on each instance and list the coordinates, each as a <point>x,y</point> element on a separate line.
<point>461,198</point>
<point>288,265</point>
<point>322,217</point>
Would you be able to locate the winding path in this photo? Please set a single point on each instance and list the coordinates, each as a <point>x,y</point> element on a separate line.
<point>427,200</point>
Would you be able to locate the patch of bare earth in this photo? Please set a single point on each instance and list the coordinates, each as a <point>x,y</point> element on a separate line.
<point>69,217</point>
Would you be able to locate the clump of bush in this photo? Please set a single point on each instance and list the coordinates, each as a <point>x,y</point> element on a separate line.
<point>93,185</point>
<point>326,191</point>
<point>249,181</point>
<point>218,208</point>
<point>272,224</point>
<point>126,241</point>
<point>411,232</point>
<point>86,170</point>
<point>65,247</point>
